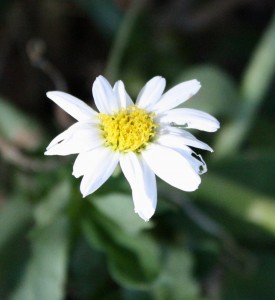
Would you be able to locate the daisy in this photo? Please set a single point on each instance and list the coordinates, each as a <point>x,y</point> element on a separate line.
<point>146,138</point>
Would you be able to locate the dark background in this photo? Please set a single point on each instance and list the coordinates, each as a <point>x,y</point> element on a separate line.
<point>216,243</point>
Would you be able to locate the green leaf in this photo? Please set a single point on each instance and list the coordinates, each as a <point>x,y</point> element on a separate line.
<point>82,272</point>
<point>44,276</point>
<point>218,94</point>
<point>120,209</point>
<point>133,260</point>
<point>176,280</point>
<point>256,81</point>
<point>46,269</point>
<point>50,208</point>
<point>261,68</point>
<point>15,216</point>
<point>19,128</point>
<point>15,221</point>
<point>238,200</point>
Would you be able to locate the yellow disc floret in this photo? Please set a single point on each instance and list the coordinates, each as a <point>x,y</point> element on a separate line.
<point>129,129</point>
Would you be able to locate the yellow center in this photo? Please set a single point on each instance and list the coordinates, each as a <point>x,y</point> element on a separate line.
<point>129,129</point>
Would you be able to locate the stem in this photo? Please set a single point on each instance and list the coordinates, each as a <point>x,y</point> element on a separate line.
<point>122,39</point>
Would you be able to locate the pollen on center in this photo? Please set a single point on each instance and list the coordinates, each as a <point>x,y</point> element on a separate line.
<point>129,129</point>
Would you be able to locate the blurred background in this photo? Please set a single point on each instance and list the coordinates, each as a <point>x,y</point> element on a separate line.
<point>215,243</point>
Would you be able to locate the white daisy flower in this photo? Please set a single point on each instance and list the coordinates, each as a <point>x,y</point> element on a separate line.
<point>147,138</point>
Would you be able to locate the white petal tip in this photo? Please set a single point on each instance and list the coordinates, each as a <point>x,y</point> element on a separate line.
<point>53,94</point>
<point>190,190</point>
<point>100,78</point>
<point>194,81</point>
<point>49,93</point>
<point>75,175</point>
<point>84,195</point>
<point>142,216</point>
<point>196,84</point>
<point>217,125</point>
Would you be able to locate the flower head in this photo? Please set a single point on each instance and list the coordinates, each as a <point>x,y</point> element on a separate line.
<point>146,138</point>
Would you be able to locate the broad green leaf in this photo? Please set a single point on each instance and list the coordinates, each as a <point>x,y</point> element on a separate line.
<point>15,221</point>
<point>45,272</point>
<point>15,215</point>
<point>218,94</point>
<point>13,259</point>
<point>120,209</point>
<point>238,200</point>
<point>55,203</point>
<point>82,272</point>
<point>19,128</point>
<point>133,259</point>
<point>44,276</point>
<point>176,280</point>
<point>136,264</point>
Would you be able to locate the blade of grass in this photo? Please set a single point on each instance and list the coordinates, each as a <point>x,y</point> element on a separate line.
<point>253,88</point>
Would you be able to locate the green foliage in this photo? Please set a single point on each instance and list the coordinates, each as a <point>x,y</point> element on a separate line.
<point>14,217</point>
<point>256,81</point>
<point>214,244</point>
<point>44,276</point>
<point>218,94</point>
<point>133,256</point>
<point>176,281</point>
<point>241,201</point>
<point>19,128</point>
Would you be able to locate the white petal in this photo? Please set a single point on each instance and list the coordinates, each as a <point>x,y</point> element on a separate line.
<point>86,160</point>
<point>72,105</point>
<point>97,166</point>
<point>172,167</point>
<point>80,137</point>
<point>194,159</point>
<point>177,95</point>
<point>83,161</point>
<point>143,184</point>
<point>151,92</point>
<point>121,94</point>
<point>175,137</point>
<point>104,96</point>
<point>191,118</point>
